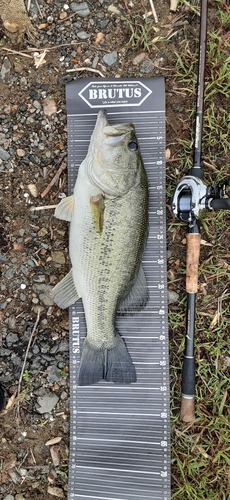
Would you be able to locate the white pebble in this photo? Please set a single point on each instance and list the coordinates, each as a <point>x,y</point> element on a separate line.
<point>23,286</point>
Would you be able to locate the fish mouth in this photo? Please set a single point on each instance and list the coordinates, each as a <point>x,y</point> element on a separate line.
<point>110,134</point>
<point>98,134</point>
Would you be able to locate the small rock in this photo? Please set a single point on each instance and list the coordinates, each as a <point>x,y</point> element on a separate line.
<point>95,62</point>
<point>172,297</point>
<point>3,305</point>
<point>20,153</point>
<point>8,497</point>
<point>83,35</point>
<point>58,257</point>
<point>11,338</point>
<point>82,9</point>
<point>19,496</point>
<point>35,94</point>
<point>63,15</point>
<point>110,58</point>
<point>146,67</point>
<point>3,154</point>
<point>46,403</point>
<point>63,346</point>
<point>54,374</point>
<point>10,273</point>
<point>44,292</point>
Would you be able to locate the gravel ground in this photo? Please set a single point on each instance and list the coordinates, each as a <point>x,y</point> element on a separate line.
<point>34,245</point>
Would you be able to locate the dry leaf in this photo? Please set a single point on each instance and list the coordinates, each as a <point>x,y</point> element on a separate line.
<point>10,403</point>
<point>18,246</point>
<point>49,106</point>
<point>202,242</point>
<point>215,320</point>
<point>53,441</point>
<point>15,478</point>
<point>33,190</point>
<point>4,478</point>
<point>54,452</point>
<point>139,58</point>
<point>202,451</point>
<point>167,154</point>
<point>112,8</point>
<point>154,40</point>
<point>99,38</point>
<point>205,243</point>
<point>55,491</point>
<point>10,463</point>
<point>39,59</point>
<point>42,26</point>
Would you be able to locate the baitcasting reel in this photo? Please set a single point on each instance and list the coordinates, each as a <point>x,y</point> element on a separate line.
<point>191,196</point>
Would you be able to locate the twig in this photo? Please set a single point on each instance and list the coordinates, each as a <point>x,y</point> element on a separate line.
<point>85,69</point>
<point>55,178</point>
<point>38,7</point>
<point>44,207</point>
<point>16,52</point>
<point>67,18</point>
<point>192,8</point>
<point>41,59</point>
<point>54,47</point>
<point>173,5</point>
<point>26,355</point>
<point>153,11</point>
<point>28,5</point>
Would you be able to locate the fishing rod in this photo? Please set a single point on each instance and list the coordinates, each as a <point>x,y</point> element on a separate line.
<point>190,198</point>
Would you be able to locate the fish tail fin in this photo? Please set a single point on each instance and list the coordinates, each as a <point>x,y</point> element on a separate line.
<point>113,364</point>
<point>92,365</point>
<point>120,368</point>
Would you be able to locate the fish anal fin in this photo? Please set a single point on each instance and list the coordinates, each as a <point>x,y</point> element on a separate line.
<point>138,296</point>
<point>97,209</point>
<point>64,209</point>
<point>64,294</point>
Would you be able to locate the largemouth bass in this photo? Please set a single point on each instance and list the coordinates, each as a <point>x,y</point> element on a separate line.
<point>108,214</point>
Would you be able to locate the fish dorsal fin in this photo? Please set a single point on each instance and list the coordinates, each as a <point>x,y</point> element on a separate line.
<point>97,209</point>
<point>65,208</point>
<point>138,296</point>
<point>64,293</point>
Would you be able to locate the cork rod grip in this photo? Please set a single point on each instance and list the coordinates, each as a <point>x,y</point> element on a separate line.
<point>187,410</point>
<point>192,262</point>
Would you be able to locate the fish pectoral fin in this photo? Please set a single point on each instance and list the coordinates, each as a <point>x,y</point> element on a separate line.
<point>64,294</point>
<point>97,210</point>
<point>138,296</point>
<point>64,210</point>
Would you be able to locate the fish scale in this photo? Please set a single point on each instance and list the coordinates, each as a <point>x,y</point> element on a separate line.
<point>120,435</point>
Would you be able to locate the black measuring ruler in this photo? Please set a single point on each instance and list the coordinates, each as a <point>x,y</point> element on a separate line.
<point>120,434</point>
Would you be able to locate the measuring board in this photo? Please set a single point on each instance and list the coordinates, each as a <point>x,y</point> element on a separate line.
<point>120,434</point>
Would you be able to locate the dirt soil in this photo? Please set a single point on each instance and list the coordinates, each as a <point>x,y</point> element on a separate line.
<point>34,245</point>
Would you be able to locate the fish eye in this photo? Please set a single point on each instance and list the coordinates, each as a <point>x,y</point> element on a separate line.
<point>133,146</point>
